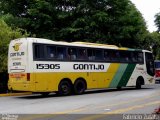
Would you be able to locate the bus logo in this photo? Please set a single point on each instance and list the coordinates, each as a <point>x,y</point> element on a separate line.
<point>16,46</point>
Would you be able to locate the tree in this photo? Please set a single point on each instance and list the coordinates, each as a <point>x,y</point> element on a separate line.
<point>157,21</point>
<point>152,42</point>
<point>6,34</point>
<point>103,21</point>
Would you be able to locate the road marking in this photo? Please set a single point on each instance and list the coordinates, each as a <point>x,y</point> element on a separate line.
<point>107,109</point>
<point>133,107</point>
<point>105,106</point>
<point>126,102</point>
<point>36,116</point>
<point>70,111</point>
<point>40,116</point>
<point>97,117</point>
<point>102,115</point>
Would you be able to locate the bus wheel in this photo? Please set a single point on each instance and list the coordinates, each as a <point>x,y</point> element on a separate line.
<point>64,88</point>
<point>138,83</point>
<point>79,87</point>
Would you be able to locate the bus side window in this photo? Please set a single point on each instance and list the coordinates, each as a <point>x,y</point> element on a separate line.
<point>125,56</point>
<point>38,51</point>
<point>140,57</point>
<point>134,57</point>
<point>114,55</point>
<point>72,53</point>
<point>98,54</point>
<point>51,52</point>
<point>61,53</point>
<point>106,55</point>
<point>82,54</point>
<point>91,54</point>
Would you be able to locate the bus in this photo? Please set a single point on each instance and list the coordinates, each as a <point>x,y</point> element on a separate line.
<point>157,71</point>
<point>44,66</point>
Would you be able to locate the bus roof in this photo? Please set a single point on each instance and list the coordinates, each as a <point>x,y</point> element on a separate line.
<point>95,44</point>
<point>82,44</point>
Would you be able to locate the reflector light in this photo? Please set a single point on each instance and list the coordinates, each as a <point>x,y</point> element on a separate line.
<point>28,76</point>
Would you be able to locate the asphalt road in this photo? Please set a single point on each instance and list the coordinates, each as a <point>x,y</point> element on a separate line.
<point>91,105</point>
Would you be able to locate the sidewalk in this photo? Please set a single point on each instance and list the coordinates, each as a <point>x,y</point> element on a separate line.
<point>14,94</point>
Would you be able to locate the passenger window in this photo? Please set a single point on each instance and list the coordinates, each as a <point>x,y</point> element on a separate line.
<point>114,55</point>
<point>82,55</point>
<point>125,56</point>
<point>134,56</point>
<point>61,53</point>
<point>91,54</point>
<point>99,54</point>
<point>140,57</point>
<point>72,53</point>
<point>106,55</point>
<point>38,52</point>
<point>51,52</point>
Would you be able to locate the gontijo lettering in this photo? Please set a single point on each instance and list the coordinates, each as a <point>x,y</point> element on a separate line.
<point>88,67</point>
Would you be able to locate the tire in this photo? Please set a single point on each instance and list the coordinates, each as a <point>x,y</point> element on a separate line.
<point>79,87</point>
<point>64,88</point>
<point>138,84</point>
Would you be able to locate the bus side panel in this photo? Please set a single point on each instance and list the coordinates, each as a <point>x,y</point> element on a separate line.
<point>16,84</point>
<point>49,81</point>
<point>118,75</point>
<point>126,75</point>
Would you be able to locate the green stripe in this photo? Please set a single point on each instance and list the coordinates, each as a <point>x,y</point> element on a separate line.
<point>127,74</point>
<point>118,75</point>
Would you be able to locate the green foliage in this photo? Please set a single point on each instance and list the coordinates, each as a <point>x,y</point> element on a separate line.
<point>157,21</point>
<point>152,42</point>
<point>156,37</point>
<point>104,21</point>
<point>6,34</point>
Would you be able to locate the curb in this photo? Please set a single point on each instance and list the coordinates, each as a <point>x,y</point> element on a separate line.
<point>15,94</point>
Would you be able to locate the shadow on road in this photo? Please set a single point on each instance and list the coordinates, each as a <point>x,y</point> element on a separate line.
<point>93,91</point>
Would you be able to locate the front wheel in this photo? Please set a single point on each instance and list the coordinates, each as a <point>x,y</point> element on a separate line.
<point>138,84</point>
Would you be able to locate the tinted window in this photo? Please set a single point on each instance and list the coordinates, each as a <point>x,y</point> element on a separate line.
<point>140,57</point>
<point>125,56</point>
<point>157,64</point>
<point>72,53</point>
<point>82,54</point>
<point>114,55</point>
<point>91,54</point>
<point>51,52</point>
<point>149,63</point>
<point>98,54</point>
<point>61,53</point>
<point>106,55</point>
<point>39,51</point>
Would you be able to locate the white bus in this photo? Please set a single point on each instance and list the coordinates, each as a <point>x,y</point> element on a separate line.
<point>44,66</point>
